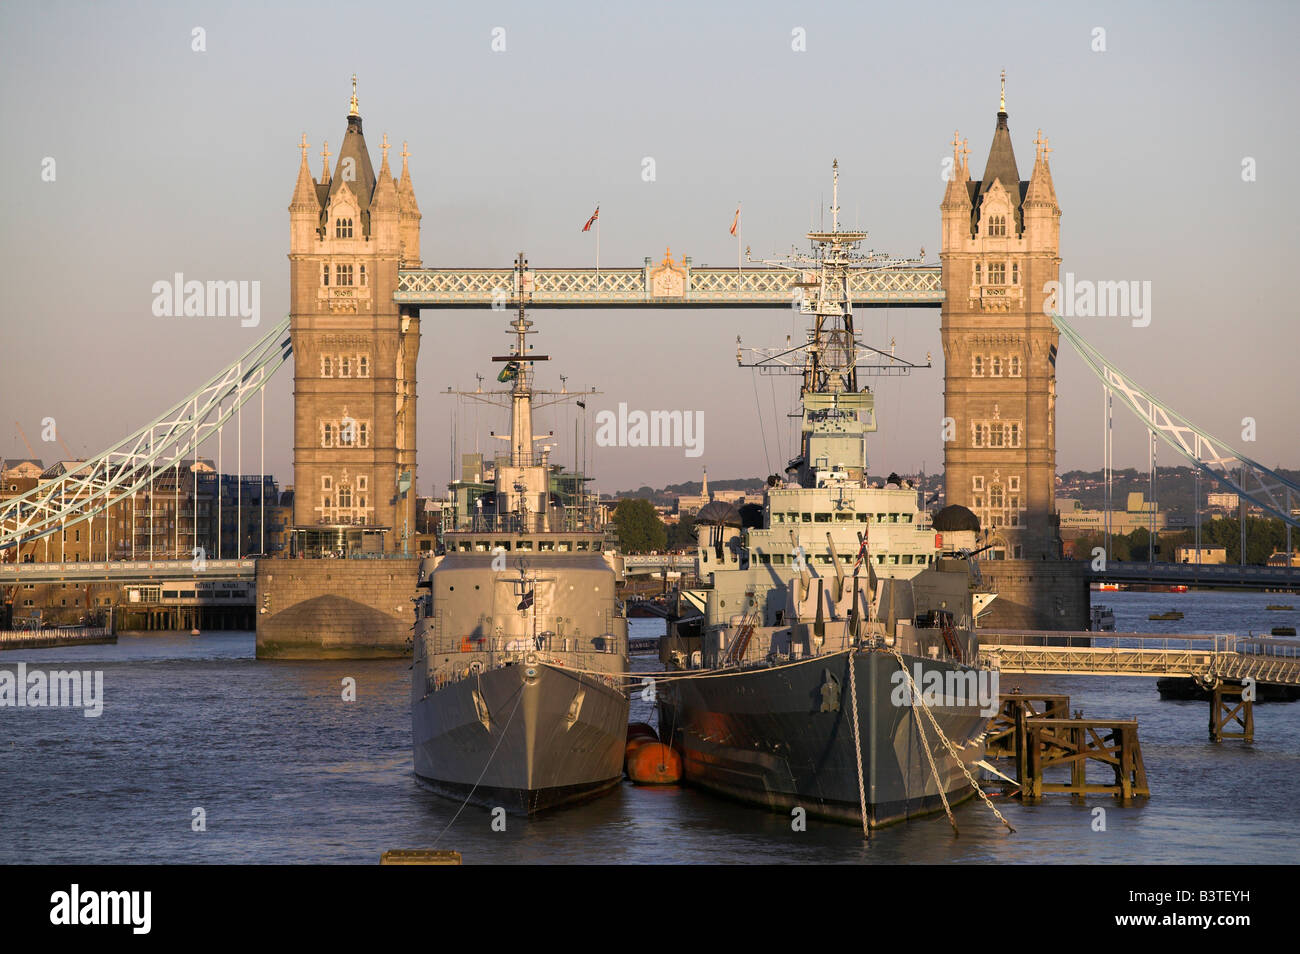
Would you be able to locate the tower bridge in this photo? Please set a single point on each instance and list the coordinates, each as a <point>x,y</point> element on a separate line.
<point>358,286</point>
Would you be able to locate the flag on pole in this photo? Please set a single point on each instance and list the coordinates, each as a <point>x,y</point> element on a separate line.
<point>735,223</point>
<point>592,221</point>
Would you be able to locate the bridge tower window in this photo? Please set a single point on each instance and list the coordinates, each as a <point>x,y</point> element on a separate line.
<point>979,366</point>
<point>343,275</point>
<point>343,228</point>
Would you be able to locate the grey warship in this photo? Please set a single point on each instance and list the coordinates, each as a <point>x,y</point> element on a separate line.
<point>796,675</point>
<point>519,642</point>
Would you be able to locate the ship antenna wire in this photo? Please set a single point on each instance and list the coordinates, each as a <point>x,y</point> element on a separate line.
<point>519,697</point>
<point>758,406</point>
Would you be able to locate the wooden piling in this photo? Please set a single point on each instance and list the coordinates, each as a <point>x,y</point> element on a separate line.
<point>1228,707</point>
<point>1057,743</point>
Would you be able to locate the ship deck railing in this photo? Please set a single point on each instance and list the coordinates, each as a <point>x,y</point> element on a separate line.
<point>606,644</point>
<point>760,652</point>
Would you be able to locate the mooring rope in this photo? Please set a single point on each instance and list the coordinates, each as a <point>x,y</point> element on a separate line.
<point>857,745</point>
<point>934,769</point>
<point>952,749</point>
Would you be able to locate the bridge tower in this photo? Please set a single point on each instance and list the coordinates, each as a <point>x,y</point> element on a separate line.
<point>354,350</point>
<point>1000,248</point>
<point>1001,240</point>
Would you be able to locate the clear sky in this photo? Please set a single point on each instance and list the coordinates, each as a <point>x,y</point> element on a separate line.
<point>171,160</point>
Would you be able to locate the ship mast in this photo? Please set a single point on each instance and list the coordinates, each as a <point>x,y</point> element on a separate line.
<point>830,359</point>
<point>521,396</point>
<point>523,476</point>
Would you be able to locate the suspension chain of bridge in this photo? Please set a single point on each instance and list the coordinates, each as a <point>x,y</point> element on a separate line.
<point>1209,456</point>
<point>114,477</point>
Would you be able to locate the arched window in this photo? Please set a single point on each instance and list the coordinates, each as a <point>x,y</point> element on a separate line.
<point>1015,273</point>
<point>327,435</point>
<point>326,367</point>
<point>345,367</point>
<point>979,366</point>
<point>997,225</point>
<point>363,276</point>
<point>345,495</point>
<point>325,274</point>
<point>1013,439</point>
<point>1013,366</point>
<point>997,367</point>
<point>343,275</point>
<point>364,435</point>
<point>995,496</point>
<point>343,228</point>
<point>363,366</point>
<point>977,274</point>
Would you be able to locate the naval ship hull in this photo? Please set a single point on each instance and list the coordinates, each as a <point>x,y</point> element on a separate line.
<point>776,737</point>
<point>522,737</point>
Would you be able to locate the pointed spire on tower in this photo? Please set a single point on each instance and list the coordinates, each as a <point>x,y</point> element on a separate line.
<point>704,491</point>
<point>304,192</point>
<point>405,188</point>
<point>1041,191</point>
<point>1002,103</point>
<point>325,161</point>
<point>956,196</point>
<point>385,197</point>
<point>352,110</point>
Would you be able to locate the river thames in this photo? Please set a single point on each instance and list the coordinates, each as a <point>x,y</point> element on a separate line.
<point>284,770</point>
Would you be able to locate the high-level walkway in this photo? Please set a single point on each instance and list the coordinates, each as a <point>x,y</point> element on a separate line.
<point>668,285</point>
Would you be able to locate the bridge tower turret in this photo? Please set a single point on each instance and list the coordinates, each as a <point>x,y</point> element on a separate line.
<point>354,350</point>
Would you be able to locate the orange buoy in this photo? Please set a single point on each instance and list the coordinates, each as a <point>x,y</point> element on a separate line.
<point>633,745</point>
<point>655,764</point>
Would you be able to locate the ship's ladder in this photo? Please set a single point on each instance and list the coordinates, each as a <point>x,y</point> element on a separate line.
<point>950,640</point>
<point>740,642</point>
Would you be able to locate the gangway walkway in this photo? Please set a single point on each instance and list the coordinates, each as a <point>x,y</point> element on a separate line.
<point>1210,660</point>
